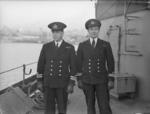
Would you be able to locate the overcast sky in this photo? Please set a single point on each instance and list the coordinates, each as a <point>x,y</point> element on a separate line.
<point>38,14</point>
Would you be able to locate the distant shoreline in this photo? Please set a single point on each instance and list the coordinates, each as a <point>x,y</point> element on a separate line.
<point>9,41</point>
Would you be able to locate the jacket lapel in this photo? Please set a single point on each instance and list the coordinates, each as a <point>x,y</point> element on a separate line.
<point>97,49</point>
<point>61,49</point>
<point>88,44</point>
<point>62,45</point>
<point>98,44</point>
<point>53,50</point>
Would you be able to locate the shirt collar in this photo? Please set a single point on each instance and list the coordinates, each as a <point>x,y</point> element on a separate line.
<point>91,40</point>
<point>59,42</point>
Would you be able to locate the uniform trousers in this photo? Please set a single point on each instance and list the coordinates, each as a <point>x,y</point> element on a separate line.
<point>99,91</point>
<point>55,96</point>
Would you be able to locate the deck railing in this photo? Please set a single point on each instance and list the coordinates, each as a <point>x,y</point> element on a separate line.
<point>25,73</point>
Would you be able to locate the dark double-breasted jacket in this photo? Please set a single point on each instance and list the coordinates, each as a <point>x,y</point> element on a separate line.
<point>95,63</point>
<point>56,64</point>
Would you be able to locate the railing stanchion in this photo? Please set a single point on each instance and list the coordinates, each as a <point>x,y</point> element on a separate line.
<point>24,74</point>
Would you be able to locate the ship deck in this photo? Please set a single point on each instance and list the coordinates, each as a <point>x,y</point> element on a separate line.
<point>123,106</point>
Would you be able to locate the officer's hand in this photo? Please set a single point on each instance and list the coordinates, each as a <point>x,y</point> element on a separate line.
<point>70,89</point>
<point>40,86</point>
<point>71,85</point>
<point>80,84</point>
<point>111,81</point>
<point>110,85</point>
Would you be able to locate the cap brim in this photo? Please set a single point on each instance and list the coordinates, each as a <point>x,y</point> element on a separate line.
<point>87,27</point>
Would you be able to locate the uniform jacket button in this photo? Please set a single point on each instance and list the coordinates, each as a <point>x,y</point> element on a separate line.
<point>59,70</point>
<point>59,75</point>
<point>51,65</point>
<point>51,69</point>
<point>60,61</point>
<point>51,74</point>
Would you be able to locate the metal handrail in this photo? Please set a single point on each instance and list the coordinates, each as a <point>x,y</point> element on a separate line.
<point>17,67</point>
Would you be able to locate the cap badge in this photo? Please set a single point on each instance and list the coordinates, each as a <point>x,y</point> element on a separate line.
<point>55,26</point>
<point>92,22</point>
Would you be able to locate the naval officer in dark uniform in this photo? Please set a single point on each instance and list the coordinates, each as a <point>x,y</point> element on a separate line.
<point>55,67</point>
<point>95,62</point>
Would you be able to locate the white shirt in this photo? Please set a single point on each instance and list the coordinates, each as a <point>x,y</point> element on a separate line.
<point>59,43</point>
<point>95,39</point>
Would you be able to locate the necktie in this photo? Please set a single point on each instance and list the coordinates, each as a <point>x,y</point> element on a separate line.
<point>93,43</point>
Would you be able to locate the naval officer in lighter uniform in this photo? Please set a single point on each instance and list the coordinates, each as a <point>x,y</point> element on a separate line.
<point>56,65</point>
<point>95,62</point>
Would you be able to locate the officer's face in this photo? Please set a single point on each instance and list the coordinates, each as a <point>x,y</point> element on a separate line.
<point>93,31</point>
<point>57,35</point>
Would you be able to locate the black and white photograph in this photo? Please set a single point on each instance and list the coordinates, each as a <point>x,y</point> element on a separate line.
<point>74,57</point>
